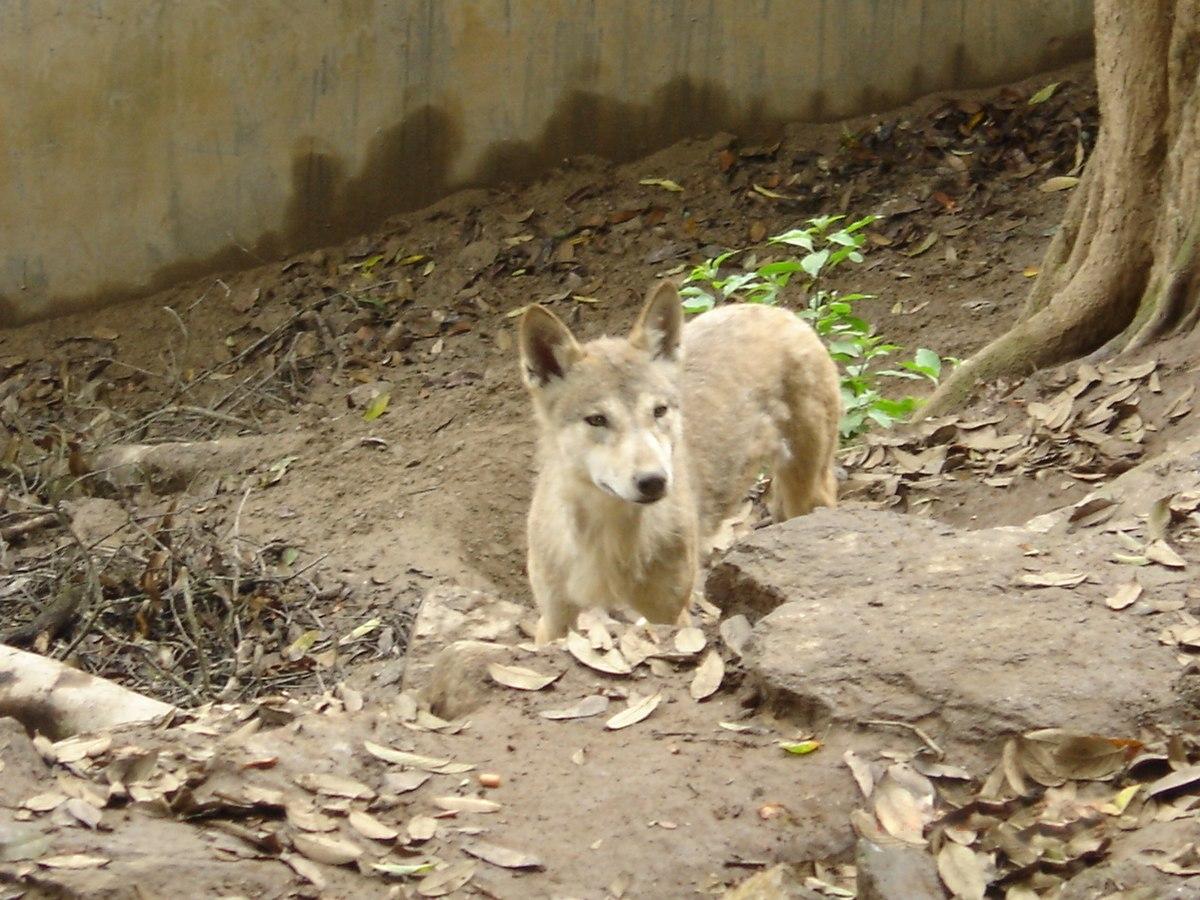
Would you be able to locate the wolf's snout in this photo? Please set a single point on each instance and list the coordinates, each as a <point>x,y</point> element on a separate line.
<point>651,487</point>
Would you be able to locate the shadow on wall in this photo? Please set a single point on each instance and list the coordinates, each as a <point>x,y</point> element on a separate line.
<point>408,165</point>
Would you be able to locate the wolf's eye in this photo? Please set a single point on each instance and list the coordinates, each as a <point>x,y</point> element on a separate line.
<point>660,410</point>
<point>597,421</point>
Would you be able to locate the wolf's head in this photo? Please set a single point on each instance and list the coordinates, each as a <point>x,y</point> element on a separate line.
<point>609,409</point>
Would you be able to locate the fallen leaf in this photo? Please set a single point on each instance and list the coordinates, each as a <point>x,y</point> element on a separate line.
<point>861,770</point>
<point>1174,781</point>
<point>403,869</point>
<point>446,881</point>
<point>1054,579</point>
<point>1162,553</point>
<point>305,868</point>
<point>634,713</point>
<point>1044,94</point>
<point>800,748</point>
<point>335,786</point>
<point>709,675</point>
<point>83,812</point>
<point>611,662</point>
<point>370,827</point>
<point>1058,183</point>
<point>690,640</point>
<point>44,802</point>
<point>1124,596</point>
<point>521,679</point>
<point>962,871</point>
<point>421,828</point>
<point>1159,518</point>
<point>308,819</point>
<point>376,407</point>
<point>415,761</point>
<point>899,812</point>
<point>403,782</point>
<point>321,848</point>
<point>589,706</point>
<point>73,861</point>
<point>466,804</point>
<point>665,183</point>
<point>925,245</point>
<point>503,857</point>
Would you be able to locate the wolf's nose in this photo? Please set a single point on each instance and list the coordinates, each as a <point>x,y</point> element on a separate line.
<point>651,487</point>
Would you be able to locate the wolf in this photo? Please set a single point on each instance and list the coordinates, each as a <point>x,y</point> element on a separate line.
<point>647,442</point>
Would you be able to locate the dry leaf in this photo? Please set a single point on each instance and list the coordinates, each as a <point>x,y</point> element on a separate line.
<point>1174,781</point>
<point>963,871</point>
<point>1124,596</point>
<point>305,868</point>
<point>308,819</point>
<point>1162,553</point>
<point>446,881</point>
<point>73,861</point>
<point>709,675</point>
<point>901,814</point>
<point>44,802</point>
<point>503,857</point>
<point>521,679</point>
<point>611,662</point>
<point>421,828</point>
<point>321,848</point>
<point>335,786</point>
<point>370,827</point>
<point>634,713</point>
<point>83,812</point>
<point>690,640</point>
<point>1058,183</point>
<point>589,706</point>
<point>416,761</point>
<point>1054,579</point>
<point>466,804</point>
<point>861,770</point>
<point>665,183</point>
<point>403,782</point>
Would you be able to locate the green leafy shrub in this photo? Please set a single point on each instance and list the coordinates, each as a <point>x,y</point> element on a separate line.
<point>852,341</point>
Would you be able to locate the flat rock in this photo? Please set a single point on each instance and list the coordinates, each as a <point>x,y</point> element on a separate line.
<point>867,614</point>
<point>896,873</point>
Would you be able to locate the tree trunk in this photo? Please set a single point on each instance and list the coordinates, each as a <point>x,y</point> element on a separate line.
<point>1122,270</point>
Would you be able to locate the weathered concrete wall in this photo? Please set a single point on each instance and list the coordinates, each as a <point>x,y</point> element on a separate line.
<point>146,141</point>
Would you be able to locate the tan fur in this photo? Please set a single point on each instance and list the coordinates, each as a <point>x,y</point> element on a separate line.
<point>755,389</point>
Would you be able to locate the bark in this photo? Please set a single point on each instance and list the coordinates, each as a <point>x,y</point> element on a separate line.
<point>1122,271</point>
<point>47,696</point>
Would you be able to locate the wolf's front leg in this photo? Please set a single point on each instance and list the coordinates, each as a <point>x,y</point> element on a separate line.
<point>555,620</point>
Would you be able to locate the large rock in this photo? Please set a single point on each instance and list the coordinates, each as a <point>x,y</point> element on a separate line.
<point>865,614</point>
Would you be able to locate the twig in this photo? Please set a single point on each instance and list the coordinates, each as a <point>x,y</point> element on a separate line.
<point>50,621</point>
<point>210,414</point>
<point>45,520</point>
<point>895,723</point>
<point>193,627</point>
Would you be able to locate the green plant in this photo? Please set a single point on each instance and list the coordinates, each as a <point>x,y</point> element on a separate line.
<point>852,341</point>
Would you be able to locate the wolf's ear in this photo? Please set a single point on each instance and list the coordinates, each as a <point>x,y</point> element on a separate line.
<point>548,349</point>
<point>659,326</point>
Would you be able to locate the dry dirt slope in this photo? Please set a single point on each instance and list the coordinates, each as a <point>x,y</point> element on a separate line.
<point>309,549</point>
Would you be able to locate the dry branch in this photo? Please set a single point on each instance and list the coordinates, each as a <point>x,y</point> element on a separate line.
<point>57,700</point>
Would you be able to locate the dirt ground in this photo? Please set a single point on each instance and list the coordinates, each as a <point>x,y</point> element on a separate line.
<point>375,449</point>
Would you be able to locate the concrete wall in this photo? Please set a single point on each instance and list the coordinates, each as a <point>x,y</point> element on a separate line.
<point>147,141</point>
